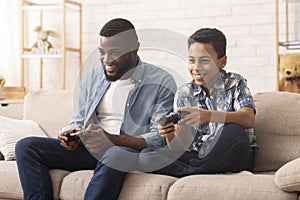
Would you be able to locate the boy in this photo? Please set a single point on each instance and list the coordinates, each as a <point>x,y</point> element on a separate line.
<point>216,131</point>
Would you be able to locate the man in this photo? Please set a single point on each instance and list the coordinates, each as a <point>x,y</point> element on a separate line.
<point>115,120</point>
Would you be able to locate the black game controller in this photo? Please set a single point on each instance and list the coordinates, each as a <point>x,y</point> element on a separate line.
<point>172,117</point>
<point>72,136</point>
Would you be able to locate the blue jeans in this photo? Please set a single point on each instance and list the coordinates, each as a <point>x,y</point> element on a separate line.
<point>35,156</point>
<point>232,153</point>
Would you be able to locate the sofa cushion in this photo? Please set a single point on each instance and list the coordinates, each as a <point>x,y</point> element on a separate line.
<point>12,130</point>
<point>227,187</point>
<point>287,177</point>
<point>277,129</point>
<point>10,186</point>
<point>79,181</point>
<point>136,186</point>
<point>146,186</point>
<point>57,176</point>
<point>52,110</point>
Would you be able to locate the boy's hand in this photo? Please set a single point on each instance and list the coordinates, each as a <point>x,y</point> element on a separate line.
<point>195,117</point>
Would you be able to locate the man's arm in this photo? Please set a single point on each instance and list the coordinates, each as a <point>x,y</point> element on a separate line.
<point>163,106</point>
<point>96,140</point>
<point>135,142</point>
<point>77,119</point>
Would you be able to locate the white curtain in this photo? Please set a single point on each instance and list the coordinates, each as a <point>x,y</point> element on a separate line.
<point>9,41</point>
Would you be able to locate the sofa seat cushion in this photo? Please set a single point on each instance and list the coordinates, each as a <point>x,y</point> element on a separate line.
<point>136,186</point>
<point>146,186</point>
<point>57,176</point>
<point>10,186</point>
<point>227,187</point>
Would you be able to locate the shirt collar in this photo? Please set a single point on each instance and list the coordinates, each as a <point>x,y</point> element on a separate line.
<point>220,84</point>
<point>137,75</point>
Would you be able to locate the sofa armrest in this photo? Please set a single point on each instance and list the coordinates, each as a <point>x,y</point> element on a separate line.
<point>287,177</point>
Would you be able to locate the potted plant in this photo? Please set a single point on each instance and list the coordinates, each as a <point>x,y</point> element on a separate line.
<point>2,83</point>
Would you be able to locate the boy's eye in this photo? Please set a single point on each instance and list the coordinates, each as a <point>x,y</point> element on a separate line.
<point>204,61</point>
<point>191,60</point>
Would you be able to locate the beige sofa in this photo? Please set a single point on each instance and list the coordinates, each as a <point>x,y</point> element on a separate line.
<point>277,166</point>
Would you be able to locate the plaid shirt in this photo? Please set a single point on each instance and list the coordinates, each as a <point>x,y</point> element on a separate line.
<point>229,93</point>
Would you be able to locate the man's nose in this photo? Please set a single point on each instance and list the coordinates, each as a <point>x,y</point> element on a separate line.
<point>107,59</point>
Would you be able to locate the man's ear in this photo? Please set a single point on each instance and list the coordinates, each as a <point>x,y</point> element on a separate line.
<point>136,47</point>
<point>223,62</point>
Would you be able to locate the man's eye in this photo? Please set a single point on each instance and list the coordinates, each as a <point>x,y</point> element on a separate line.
<point>101,52</point>
<point>115,53</point>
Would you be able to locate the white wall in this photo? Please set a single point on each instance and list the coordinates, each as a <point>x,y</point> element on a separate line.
<point>9,62</point>
<point>248,25</point>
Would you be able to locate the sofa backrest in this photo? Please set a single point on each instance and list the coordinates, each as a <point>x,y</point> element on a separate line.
<point>277,128</point>
<point>277,122</point>
<point>52,110</point>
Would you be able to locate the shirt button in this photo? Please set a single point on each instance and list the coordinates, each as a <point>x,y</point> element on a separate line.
<point>127,105</point>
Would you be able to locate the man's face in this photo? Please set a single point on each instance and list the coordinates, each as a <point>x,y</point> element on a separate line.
<point>204,64</point>
<point>116,56</point>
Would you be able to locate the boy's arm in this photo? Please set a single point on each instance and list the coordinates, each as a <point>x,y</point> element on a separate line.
<point>243,117</point>
<point>199,116</point>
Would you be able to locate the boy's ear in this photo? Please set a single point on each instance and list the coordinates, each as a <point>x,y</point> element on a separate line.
<point>223,62</point>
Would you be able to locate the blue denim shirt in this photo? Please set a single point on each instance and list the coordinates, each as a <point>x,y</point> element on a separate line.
<point>151,97</point>
<point>229,93</point>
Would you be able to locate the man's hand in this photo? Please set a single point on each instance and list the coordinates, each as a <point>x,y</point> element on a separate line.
<point>66,143</point>
<point>96,140</point>
<point>167,131</point>
<point>178,137</point>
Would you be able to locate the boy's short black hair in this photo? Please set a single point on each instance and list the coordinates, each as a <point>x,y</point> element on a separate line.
<point>210,36</point>
<point>118,26</point>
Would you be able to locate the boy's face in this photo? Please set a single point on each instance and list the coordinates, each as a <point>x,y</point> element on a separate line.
<point>204,64</point>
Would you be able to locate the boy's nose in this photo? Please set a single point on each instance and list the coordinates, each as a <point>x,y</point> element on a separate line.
<point>197,66</point>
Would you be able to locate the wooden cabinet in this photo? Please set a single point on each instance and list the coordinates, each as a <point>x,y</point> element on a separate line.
<point>12,108</point>
<point>42,8</point>
<point>285,45</point>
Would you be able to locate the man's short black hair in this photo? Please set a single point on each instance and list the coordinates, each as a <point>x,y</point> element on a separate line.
<point>210,36</point>
<point>118,26</point>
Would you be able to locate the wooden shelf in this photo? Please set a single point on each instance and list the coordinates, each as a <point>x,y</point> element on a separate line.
<point>64,7</point>
<point>287,46</point>
<point>42,56</point>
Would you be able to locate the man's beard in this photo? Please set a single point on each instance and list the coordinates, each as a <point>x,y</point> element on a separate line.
<point>120,72</point>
